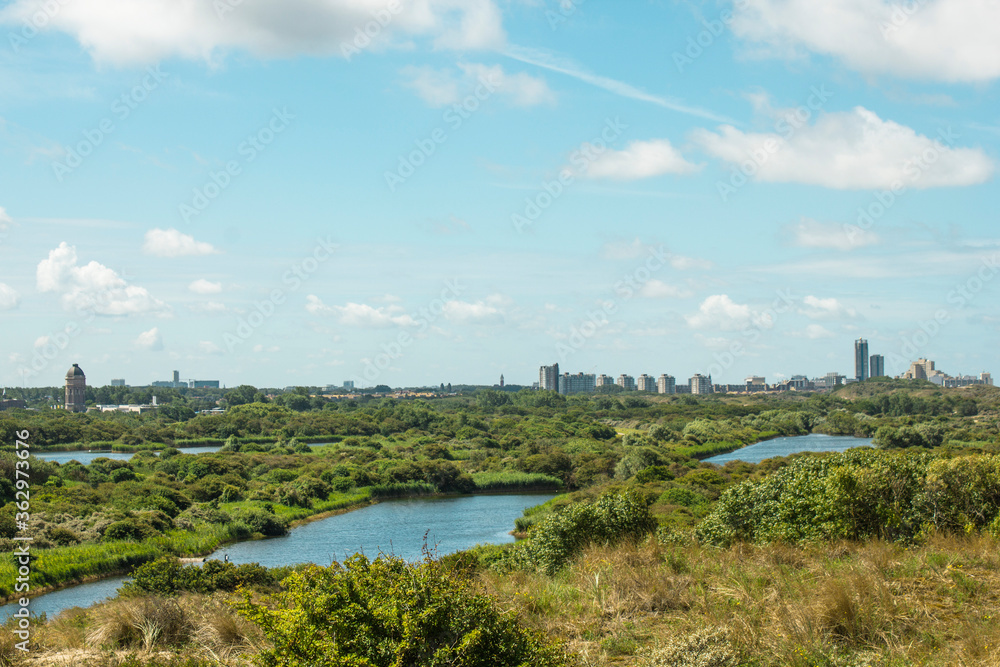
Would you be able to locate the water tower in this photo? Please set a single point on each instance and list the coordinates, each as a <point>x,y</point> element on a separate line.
<point>76,387</point>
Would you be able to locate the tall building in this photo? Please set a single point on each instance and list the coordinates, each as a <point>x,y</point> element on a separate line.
<point>118,382</point>
<point>920,369</point>
<point>876,366</point>
<point>604,380</point>
<point>861,359</point>
<point>76,388</point>
<point>626,382</point>
<point>349,385</point>
<point>577,383</point>
<point>701,384</point>
<point>204,384</point>
<point>177,378</point>
<point>646,383</point>
<point>501,380</point>
<point>548,377</point>
<point>666,384</point>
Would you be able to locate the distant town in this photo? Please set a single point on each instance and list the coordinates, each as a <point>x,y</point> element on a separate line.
<point>549,378</point>
<point>865,367</point>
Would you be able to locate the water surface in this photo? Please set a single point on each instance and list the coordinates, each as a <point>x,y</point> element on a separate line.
<point>814,442</point>
<point>393,527</point>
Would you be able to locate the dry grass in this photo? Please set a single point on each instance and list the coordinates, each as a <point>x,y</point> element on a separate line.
<point>838,605</point>
<point>200,627</point>
<point>830,605</point>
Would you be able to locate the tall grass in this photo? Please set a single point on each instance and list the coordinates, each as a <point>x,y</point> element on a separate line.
<point>515,481</point>
<point>51,567</point>
<point>402,490</point>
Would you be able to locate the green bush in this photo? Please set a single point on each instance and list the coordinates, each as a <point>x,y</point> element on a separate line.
<point>166,576</point>
<point>553,541</point>
<point>860,494</point>
<point>388,612</point>
<point>128,529</point>
<point>260,521</point>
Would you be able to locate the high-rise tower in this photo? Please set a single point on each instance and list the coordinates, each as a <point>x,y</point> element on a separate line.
<point>861,359</point>
<point>548,377</point>
<point>876,366</point>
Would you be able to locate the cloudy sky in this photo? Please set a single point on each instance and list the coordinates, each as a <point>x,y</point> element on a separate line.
<point>411,192</point>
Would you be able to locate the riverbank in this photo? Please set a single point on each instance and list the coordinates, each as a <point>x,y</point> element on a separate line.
<point>102,566</point>
<point>118,447</point>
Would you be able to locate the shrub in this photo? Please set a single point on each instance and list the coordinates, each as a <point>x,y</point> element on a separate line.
<point>553,541</point>
<point>704,648</point>
<point>261,521</point>
<point>389,612</point>
<point>166,576</point>
<point>860,494</point>
<point>128,529</point>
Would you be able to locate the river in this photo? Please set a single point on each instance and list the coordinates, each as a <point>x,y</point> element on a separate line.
<point>86,457</point>
<point>814,442</point>
<point>395,526</point>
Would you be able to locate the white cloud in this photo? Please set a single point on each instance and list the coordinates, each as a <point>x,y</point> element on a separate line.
<point>682,263</point>
<point>849,150</point>
<point>480,312</point>
<point>208,347</point>
<point>808,233</point>
<point>657,289</point>
<point>150,340</point>
<point>172,243</point>
<point>125,31</point>
<point>441,88</point>
<point>202,286</point>
<point>817,331</point>
<point>719,312</point>
<point>944,40</point>
<point>209,307</point>
<point>9,298</point>
<point>41,342</point>
<point>361,315</point>
<point>93,287</point>
<point>261,348</point>
<point>640,159</point>
<point>817,308</point>
<point>5,221</point>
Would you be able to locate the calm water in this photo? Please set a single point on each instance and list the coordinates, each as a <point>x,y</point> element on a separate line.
<point>393,527</point>
<point>396,527</point>
<point>86,458</point>
<point>814,442</point>
<point>76,596</point>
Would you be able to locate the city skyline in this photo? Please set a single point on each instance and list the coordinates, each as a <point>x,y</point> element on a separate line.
<point>456,190</point>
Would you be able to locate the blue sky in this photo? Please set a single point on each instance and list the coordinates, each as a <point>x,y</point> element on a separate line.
<point>259,192</point>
